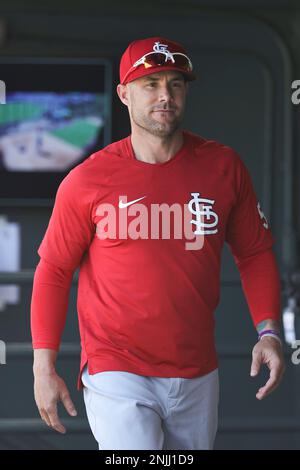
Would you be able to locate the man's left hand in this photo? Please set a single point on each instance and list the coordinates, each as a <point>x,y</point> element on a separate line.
<point>268,351</point>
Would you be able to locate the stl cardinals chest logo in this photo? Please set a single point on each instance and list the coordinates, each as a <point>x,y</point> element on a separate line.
<point>206,218</point>
<point>138,218</point>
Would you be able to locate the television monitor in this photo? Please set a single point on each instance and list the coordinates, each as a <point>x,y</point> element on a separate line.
<point>56,113</point>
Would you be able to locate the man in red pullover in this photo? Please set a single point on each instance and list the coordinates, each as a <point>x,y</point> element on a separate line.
<point>145,219</point>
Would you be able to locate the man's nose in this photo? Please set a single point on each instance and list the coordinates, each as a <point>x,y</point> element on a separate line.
<point>165,93</point>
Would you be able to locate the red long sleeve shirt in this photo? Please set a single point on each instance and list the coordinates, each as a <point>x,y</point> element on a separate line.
<point>148,240</point>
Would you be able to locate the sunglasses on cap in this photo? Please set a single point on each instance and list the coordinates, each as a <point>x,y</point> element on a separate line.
<point>154,59</point>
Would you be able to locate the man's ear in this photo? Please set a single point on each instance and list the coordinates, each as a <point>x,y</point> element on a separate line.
<point>123,91</point>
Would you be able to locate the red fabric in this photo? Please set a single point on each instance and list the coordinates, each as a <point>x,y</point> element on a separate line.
<point>49,304</point>
<point>146,305</point>
<point>261,285</point>
<point>137,49</point>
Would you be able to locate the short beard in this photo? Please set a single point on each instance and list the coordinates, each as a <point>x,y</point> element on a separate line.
<point>155,128</point>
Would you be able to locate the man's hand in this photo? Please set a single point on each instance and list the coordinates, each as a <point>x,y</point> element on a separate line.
<point>268,351</point>
<point>49,388</point>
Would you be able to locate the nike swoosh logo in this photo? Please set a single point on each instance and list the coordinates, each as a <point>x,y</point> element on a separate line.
<point>126,204</point>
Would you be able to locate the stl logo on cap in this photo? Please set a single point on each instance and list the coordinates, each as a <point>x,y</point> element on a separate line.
<point>151,55</point>
<point>158,47</point>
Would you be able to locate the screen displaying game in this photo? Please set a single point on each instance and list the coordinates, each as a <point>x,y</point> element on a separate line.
<point>56,113</point>
<point>48,131</point>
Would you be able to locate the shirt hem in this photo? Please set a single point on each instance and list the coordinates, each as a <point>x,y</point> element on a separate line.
<point>97,364</point>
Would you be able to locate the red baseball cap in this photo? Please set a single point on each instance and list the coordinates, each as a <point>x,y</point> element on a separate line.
<point>159,48</point>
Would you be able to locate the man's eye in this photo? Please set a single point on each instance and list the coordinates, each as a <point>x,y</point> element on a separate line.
<point>151,84</point>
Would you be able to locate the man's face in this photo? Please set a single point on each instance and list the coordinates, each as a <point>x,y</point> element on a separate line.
<point>156,102</point>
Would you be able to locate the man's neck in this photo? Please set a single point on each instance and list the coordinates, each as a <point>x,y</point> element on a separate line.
<point>153,149</point>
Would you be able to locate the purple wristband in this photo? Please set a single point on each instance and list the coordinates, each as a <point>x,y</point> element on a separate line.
<point>273,332</point>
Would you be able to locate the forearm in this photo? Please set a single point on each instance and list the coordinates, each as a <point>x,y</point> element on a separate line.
<point>49,305</point>
<point>44,361</point>
<point>261,285</point>
<point>268,324</point>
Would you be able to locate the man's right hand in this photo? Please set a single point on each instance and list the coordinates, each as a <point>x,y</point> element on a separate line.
<point>49,389</point>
